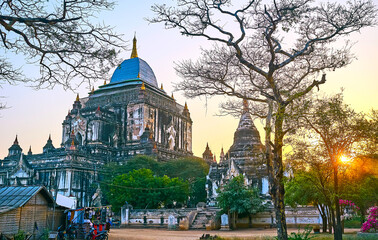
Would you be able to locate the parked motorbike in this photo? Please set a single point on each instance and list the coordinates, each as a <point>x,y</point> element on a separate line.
<point>70,232</point>
<point>61,232</point>
<point>99,235</point>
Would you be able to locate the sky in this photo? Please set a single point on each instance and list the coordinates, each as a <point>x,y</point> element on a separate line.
<point>34,114</point>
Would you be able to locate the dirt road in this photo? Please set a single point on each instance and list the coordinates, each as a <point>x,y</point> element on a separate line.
<point>164,234</point>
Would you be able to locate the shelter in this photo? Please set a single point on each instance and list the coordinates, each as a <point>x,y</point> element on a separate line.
<point>28,209</point>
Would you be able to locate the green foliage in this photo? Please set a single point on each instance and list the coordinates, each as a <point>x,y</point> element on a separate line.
<point>192,171</point>
<point>305,235</point>
<point>185,168</point>
<point>326,236</point>
<point>354,222</point>
<point>360,183</point>
<point>20,235</point>
<point>142,189</point>
<point>45,234</point>
<point>306,188</point>
<point>235,197</point>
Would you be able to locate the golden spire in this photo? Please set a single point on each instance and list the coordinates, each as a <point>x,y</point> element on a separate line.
<point>186,106</point>
<point>138,75</point>
<point>143,87</point>
<point>104,82</point>
<point>161,87</point>
<point>134,53</point>
<point>92,90</point>
<point>77,98</point>
<point>173,97</point>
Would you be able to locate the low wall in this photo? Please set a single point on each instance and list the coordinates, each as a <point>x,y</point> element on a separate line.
<point>295,217</point>
<point>301,216</point>
<point>156,217</point>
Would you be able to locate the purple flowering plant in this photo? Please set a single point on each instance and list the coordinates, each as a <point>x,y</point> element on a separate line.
<point>349,208</point>
<point>371,224</point>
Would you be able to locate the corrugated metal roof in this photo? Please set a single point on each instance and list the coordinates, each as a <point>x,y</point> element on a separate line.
<point>16,196</point>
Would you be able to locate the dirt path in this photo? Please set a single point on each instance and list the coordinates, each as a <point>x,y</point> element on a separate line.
<point>163,234</point>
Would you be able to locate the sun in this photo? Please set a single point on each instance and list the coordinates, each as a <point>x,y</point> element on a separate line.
<point>344,159</point>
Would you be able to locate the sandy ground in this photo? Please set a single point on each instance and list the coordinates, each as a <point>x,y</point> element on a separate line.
<point>164,234</point>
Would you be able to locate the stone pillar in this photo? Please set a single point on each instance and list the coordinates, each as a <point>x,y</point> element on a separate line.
<point>124,215</point>
<point>171,222</point>
<point>224,222</point>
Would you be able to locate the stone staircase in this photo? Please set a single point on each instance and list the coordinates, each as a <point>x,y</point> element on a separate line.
<point>202,218</point>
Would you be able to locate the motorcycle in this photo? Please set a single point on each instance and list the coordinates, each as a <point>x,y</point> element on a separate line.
<point>97,235</point>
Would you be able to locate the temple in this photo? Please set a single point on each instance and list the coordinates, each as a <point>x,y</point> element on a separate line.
<point>130,115</point>
<point>245,156</point>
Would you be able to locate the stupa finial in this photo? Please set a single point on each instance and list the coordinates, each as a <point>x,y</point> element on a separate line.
<point>134,53</point>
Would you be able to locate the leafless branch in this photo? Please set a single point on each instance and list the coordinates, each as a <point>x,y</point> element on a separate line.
<point>61,39</point>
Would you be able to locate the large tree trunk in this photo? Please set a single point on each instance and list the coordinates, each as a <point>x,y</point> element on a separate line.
<point>232,219</point>
<point>324,226</point>
<point>330,222</point>
<point>338,229</point>
<point>333,214</point>
<point>328,209</point>
<point>323,214</point>
<point>279,189</point>
<point>269,158</point>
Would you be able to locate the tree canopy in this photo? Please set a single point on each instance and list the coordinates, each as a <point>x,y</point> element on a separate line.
<point>236,198</point>
<point>327,132</point>
<point>142,190</point>
<point>61,38</point>
<point>191,171</point>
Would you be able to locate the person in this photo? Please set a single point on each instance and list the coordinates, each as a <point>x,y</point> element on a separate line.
<point>107,226</point>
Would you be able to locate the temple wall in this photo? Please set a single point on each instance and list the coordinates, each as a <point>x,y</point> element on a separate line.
<point>295,217</point>
<point>301,216</point>
<point>156,217</point>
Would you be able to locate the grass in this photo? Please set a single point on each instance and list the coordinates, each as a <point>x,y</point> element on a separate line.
<point>355,222</point>
<point>321,236</point>
<point>244,238</point>
<point>350,236</point>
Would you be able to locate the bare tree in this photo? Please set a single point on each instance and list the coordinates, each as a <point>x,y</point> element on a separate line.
<point>269,52</point>
<point>60,38</point>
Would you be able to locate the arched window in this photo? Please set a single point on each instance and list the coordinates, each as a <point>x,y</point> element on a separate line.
<point>79,138</point>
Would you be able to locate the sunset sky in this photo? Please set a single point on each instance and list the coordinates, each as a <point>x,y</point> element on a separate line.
<point>33,115</point>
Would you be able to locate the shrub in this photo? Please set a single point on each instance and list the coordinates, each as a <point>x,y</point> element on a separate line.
<point>305,235</point>
<point>371,224</point>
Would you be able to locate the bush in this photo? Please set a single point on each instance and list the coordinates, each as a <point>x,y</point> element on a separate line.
<point>305,235</point>
<point>371,224</point>
<point>20,235</point>
<point>354,222</point>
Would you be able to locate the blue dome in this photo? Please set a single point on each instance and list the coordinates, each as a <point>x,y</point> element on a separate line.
<point>131,68</point>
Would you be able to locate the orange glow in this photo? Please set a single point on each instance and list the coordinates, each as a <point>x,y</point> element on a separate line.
<point>345,159</point>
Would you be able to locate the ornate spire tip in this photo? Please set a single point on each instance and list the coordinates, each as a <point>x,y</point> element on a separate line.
<point>134,53</point>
